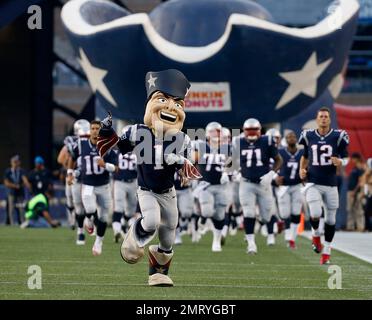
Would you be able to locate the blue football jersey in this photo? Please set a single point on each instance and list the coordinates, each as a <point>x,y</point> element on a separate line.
<point>319,149</point>
<point>91,173</point>
<point>127,167</point>
<point>212,161</point>
<point>290,168</point>
<point>254,156</point>
<point>152,171</point>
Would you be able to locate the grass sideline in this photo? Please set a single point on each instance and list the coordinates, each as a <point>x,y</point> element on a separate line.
<point>71,272</point>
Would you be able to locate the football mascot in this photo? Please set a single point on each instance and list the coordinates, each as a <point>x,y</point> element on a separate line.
<point>161,149</point>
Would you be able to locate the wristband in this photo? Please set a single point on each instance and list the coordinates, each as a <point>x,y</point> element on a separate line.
<point>344,161</point>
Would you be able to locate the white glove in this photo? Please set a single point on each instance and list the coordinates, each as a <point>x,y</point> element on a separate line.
<point>267,178</point>
<point>224,178</point>
<point>174,158</point>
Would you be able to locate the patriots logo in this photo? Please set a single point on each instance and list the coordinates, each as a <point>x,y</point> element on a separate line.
<point>276,72</point>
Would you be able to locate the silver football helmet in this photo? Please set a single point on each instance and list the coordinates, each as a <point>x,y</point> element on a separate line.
<point>213,131</point>
<point>81,128</point>
<point>252,129</point>
<point>275,134</point>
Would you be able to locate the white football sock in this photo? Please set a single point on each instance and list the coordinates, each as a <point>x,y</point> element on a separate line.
<point>294,227</point>
<point>321,226</point>
<point>250,238</point>
<point>80,231</point>
<point>116,227</point>
<point>224,230</point>
<point>327,248</point>
<point>99,240</point>
<point>287,234</point>
<point>315,233</point>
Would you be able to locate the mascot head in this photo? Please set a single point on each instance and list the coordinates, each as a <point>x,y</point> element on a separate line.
<point>166,91</point>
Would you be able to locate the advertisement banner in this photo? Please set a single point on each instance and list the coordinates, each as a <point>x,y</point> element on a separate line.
<point>208,97</point>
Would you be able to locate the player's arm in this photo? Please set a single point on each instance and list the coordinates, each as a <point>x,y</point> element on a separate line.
<point>110,164</point>
<point>304,163</point>
<point>63,156</point>
<point>10,184</point>
<point>342,158</point>
<point>278,161</point>
<point>70,171</point>
<point>71,164</point>
<point>26,183</point>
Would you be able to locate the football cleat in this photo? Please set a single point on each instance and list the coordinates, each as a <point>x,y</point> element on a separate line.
<point>81,239</point>
<point>317,245</point>
<point>270,239</point>
<point>292,244</point>
<point>325,259</point>
<point>252,248</point>
<point>159,263</point>
<point>97,248</point>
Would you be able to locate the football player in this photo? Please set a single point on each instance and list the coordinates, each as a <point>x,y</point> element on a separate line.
<point>81,129</point>
<point>253,153</point>
<point>230,216</point>
<point>289,191</point>
<point>125,186</point>
<point>95,178</point>
<point>325,150</point>
<point>211,156</point>
<point>161,148</point>
<point>275,220</point>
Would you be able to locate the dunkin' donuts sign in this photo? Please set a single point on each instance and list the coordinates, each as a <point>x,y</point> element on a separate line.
<point>208,96</point>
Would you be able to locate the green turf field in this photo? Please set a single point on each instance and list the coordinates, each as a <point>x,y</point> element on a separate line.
<point>71,272</point>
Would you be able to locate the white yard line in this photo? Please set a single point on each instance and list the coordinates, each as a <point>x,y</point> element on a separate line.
<point>85,284</point>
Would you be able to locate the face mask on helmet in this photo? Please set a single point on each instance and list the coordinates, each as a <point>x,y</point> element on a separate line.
<point>252,133</point>
<point>252,129</point>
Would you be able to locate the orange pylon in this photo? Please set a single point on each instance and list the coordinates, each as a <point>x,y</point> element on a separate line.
<point>301,225</point>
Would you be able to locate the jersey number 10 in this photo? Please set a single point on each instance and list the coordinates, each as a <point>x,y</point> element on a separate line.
<point>96,168</point>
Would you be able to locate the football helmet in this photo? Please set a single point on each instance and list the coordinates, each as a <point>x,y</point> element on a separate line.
<point>275,134</point>
<point>81,128</point>
<point>252,129</point>
<point>213,131</point>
